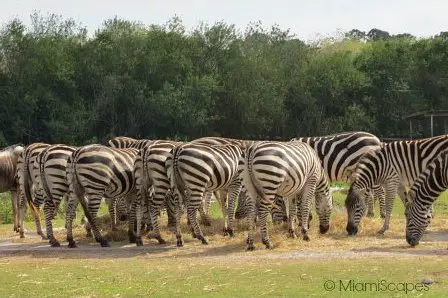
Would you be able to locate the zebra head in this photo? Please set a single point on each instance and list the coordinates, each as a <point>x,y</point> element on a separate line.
<point>417,220</point>
<point>356,208</point>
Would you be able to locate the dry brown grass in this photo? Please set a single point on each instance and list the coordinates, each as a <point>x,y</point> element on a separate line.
<point>335,240</point>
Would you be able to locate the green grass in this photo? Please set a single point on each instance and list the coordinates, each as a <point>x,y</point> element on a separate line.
<point>145,277</point>
<point>224,269</point>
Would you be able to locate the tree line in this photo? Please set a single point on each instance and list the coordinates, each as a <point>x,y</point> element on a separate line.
<point>60,84</point>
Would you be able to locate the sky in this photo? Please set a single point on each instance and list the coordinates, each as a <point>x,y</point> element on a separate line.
<point>307,19</point>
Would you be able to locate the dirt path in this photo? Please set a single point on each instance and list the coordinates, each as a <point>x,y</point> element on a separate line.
<point>32,246</point>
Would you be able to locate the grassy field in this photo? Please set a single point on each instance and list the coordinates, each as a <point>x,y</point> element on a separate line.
<point>223,268</point>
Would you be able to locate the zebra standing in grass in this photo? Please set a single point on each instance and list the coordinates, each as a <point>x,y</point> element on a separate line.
<point>51,164</point>
<point>292,170</point>
<point>95,171</point>
<point>395,166</point>
<point>8,177</point>
<point>25,166</point>
<point>426,189</point>
<point>196,169</point>
<point>150,172</point>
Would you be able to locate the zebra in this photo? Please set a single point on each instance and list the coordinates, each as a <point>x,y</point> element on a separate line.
<point>51,164</point>
<point>127,142</point>
<point>396,165</point>
<point>339,154</point>
<point>26,177</point>
<point>150,172</point>
<point>422,195</point>
<point>287,169</point>
<point>195,169</point>
<point>95,171</point>
<point>8,177</point>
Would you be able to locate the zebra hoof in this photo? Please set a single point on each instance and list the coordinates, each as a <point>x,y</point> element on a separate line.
<point>55,244</point>
<point>132,238</point>
<point>250,246</point>
<point>104,243</point>
<point>268,244</point>
<point>161,240</point>
<point>383,216</point>
<point>323,229</point>
<point>381,232</point>
<point>203,240</point>
<point>231,232</point>
<point>139,241</point>
<point>306,238</point>
<point>22,235</point>
<point>292,234</point>
<point>72,244</point>
<point>179,242</point>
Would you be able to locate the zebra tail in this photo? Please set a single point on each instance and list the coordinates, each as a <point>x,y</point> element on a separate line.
<point>248,180</point>
<point>43,179</point>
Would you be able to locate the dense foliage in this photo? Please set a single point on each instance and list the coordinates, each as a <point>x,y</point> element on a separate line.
<point>59,84</point>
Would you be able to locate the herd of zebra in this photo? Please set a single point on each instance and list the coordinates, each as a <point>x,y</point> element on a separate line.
<point>139,178</point>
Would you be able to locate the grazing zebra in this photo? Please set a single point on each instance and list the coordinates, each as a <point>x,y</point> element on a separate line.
<point>150,172</point>
<point>25,166</point>
<point>8,177</point>
<point>339,154</point>
<point>95,171</point>
<point>126,142</point>
<point>395,166</point>
<point>195,169</point>
<point>222,196</point>
<point>50,174</point>
<point>422,195</point>
<point>291,170</point>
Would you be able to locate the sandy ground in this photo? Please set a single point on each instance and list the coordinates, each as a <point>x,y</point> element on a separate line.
<point>34,247</point>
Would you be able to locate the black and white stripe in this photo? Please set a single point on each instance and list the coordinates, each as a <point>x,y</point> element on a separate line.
<point>195,169</point>
<point>52,164</point>
<point>426,189</point>
<point>339,154</point>
<point>395,166</point>
<point>26,173</point>
<point>150,173</point>
<point>291,170</point>
<point>95,171</point>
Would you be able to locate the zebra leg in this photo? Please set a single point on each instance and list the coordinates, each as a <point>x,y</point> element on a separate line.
<point>194,203</point>
<point>15,214</point>
<point>70,215</point>
<point>132,228</point>
<point>391,191</point>
<point>234,191</point>
<point>49,207</point>
<point>263,213</point>
<point>250,204</point>
<point>112,207</point>
<point>370,204</point>
<point>306,198</point>
<point>379,193</point>
<point>90,210</point>
<point>292,217</point>
<point>154,211</point>
<point>204,210</point>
